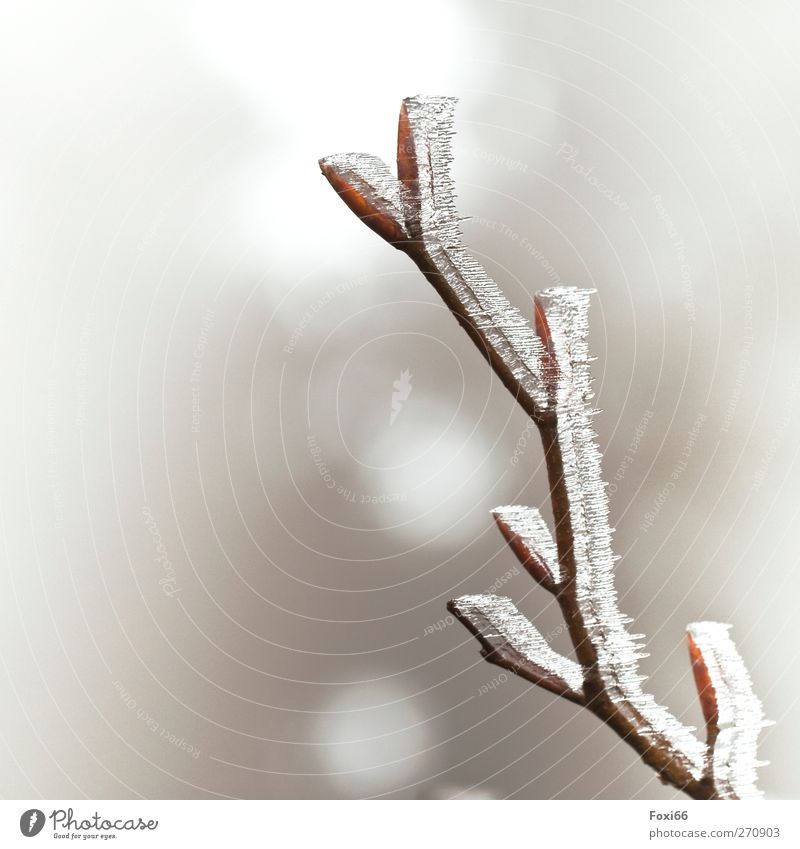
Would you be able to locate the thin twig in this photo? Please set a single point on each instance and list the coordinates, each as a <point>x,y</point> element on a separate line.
<point>546,368</point>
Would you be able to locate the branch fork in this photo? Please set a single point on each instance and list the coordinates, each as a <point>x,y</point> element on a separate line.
<point>547,369</point>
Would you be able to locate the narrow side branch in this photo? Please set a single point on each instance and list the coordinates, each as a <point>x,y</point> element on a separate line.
<point>510,640</point>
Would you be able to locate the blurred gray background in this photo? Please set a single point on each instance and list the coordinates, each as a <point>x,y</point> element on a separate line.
<point>225,567</point>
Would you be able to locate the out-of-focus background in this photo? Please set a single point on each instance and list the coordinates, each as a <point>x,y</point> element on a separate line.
<point>226,555</point>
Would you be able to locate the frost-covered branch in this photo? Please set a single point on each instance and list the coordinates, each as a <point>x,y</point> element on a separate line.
<point>588,596</point>
<point>547,369</point>
<point>732,711</point>
<point>416,213</point>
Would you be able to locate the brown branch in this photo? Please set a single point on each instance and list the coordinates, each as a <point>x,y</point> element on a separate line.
<point>546,368</point>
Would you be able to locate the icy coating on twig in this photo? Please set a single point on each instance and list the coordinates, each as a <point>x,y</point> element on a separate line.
<point>436,221</point>
<point>500,627</point>
<point>734,713</point>
<point>617,651</point>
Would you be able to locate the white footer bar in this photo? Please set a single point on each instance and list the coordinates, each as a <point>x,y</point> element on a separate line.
<point>400,824</point>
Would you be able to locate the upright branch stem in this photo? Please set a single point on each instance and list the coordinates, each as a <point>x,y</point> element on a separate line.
<point>623,717</point>
<point>566,597</point>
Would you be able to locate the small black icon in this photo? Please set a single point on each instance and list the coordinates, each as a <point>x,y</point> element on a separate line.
<point>31,822</point>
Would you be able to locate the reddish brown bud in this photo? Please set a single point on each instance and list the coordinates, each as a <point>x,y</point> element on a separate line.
<point>705,689</point>
<point>365,185</point>
<point>407,169</point>
<point>535,565</point>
